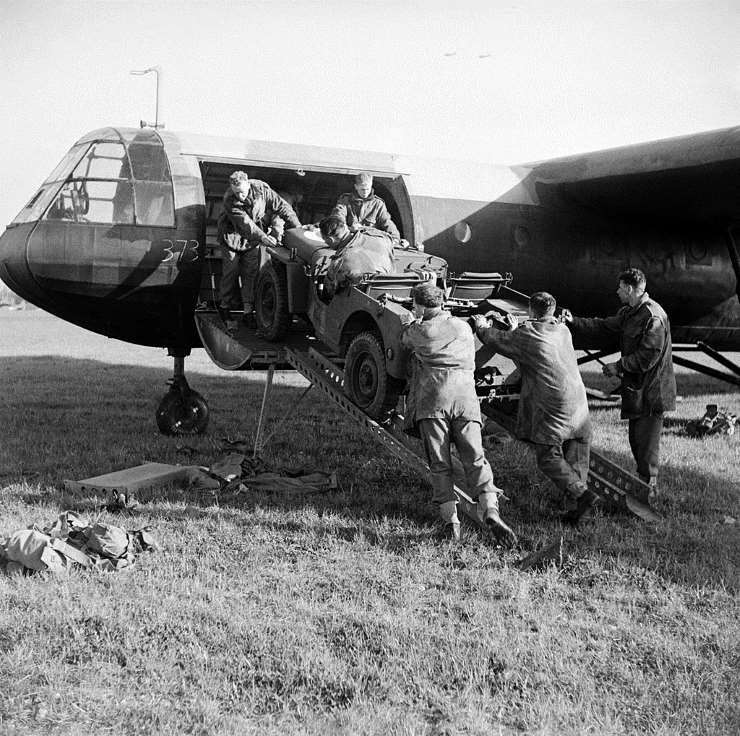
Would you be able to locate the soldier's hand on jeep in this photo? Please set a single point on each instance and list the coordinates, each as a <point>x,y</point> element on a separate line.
<point>511,321</point>
<point>234,241</point>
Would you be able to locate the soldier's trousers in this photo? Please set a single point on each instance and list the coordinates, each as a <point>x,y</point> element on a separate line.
<point>565,465</point>
<point>438,435</point>
<point>244,265</point>
<point>644,434</point>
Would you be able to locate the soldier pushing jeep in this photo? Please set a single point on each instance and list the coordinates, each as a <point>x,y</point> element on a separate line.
<point>443,408</point>
<point>553,411</point>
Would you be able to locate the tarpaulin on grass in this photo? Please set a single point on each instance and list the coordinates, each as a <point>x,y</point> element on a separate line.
<point>233,471</point>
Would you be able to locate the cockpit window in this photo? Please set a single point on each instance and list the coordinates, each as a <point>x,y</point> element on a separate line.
<point>94,201</point>
<point>41,199</point>
<point>63,168</point>
<point>37,204</point>
<point>148,161</point>
<point>153,203</point>
<point>152,181</point>
<point>104,161</point>
<point>119,184</point>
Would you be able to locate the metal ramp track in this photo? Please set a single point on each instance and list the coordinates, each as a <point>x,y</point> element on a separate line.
<point>605,478</point>
<point>325,375</point>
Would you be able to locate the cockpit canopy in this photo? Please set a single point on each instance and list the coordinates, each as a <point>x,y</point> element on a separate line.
<point>108,177</point>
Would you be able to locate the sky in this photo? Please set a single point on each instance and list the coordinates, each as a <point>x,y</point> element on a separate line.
<point>507,82</point>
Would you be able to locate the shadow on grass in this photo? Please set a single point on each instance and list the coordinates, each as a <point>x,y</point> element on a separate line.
<point>687,384</point>
<point>280,512</point>
<point>697,542</point>
<point>67,418</point>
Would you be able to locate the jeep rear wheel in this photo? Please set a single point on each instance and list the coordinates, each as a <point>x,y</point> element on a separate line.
<point>366,380</point>
<point>271,301</point>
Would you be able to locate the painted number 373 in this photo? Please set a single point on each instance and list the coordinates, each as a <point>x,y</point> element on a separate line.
<point>179,251</point>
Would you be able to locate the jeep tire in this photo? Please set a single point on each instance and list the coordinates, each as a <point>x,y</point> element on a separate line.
<point>271,302</point>
<point>366,379</point>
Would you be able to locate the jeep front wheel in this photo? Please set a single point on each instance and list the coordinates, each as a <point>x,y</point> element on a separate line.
<point>271,302</point>
<point>366,380</point>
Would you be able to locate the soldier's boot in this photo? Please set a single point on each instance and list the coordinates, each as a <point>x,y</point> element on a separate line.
<point>652,481</point>
<point>488,514</point>
<point>653,493</point>
<point>448,514</point>
<point>581,500</point>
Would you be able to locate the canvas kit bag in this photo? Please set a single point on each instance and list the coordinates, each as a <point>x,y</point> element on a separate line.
<point>71,541</point>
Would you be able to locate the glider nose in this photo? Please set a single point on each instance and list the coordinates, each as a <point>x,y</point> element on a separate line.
<point>14,270</point>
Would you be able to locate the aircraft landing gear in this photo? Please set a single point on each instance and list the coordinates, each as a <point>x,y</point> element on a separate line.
<point>182,410</point>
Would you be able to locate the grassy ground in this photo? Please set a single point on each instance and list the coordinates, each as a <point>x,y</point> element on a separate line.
<point>341,612</point>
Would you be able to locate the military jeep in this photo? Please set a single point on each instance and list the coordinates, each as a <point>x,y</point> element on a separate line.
<point>361,323</point>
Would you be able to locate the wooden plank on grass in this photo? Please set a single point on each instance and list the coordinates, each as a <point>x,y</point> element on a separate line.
<point>147,475</point>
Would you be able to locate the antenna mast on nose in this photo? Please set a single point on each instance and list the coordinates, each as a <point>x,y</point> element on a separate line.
<point>158,71</point>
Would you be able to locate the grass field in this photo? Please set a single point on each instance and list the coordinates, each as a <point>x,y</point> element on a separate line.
<point>341,612</point>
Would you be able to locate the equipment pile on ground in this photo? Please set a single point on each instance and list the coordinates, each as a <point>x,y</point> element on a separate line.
<point>72,541</point>
<point>234,472</point>
<point>715,421</point>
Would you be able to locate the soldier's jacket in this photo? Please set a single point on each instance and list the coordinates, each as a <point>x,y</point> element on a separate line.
<point>443,361</point>
<point>552,404</point>
<point>645,339</point>
<point>367,212</point>
<point>250,218</point>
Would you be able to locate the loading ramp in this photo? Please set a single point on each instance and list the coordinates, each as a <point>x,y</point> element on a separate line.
<point>245,349</point>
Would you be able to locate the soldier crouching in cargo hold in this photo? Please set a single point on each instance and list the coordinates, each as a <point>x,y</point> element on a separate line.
<point>553,409</point>
<point>648,384</point>
<point>443,406</point>
<point>249,207</point>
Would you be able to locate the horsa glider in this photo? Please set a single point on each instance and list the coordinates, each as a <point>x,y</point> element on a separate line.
<point>120,238</point>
